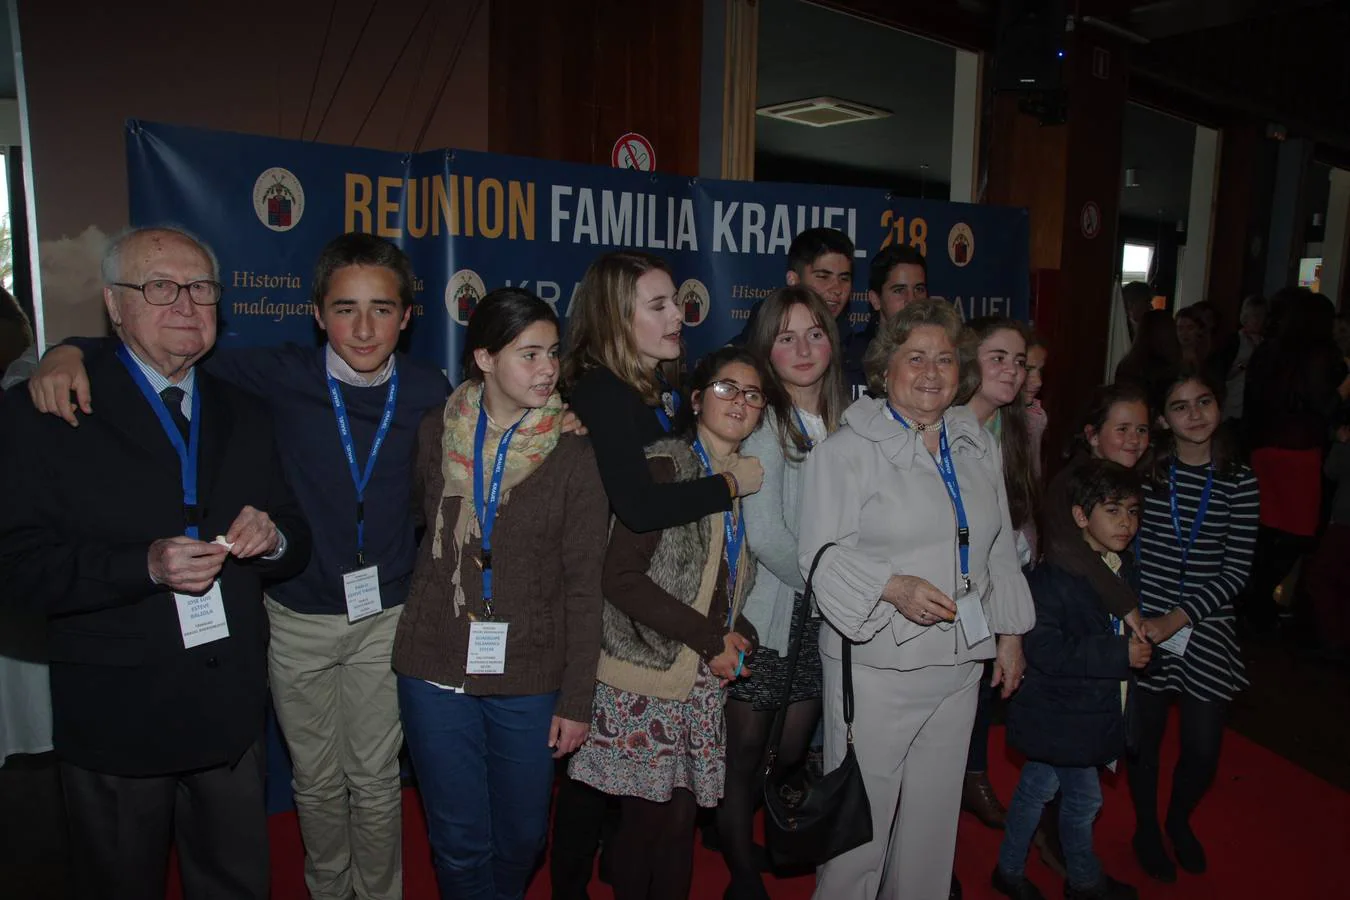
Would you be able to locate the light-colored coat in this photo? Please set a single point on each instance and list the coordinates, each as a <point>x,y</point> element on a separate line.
<point>873,488</point>
<point>771,532</point>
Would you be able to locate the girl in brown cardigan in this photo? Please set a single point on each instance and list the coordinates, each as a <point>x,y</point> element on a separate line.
<point>672,639</point>
<point>497,648</point>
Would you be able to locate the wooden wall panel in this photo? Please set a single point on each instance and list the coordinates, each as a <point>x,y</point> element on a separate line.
<point>1088,269</point>
<point>568,78</point>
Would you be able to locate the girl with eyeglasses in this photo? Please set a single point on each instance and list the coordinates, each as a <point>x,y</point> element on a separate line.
<point>673,637</point>
<point>796,335</point>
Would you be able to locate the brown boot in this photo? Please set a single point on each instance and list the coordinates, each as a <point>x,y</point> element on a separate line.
<point>978,797</point>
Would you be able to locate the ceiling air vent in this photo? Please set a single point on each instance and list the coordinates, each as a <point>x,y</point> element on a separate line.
<point>822,112</point>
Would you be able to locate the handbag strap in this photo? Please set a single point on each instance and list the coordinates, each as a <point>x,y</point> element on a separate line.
<point>794,653</point>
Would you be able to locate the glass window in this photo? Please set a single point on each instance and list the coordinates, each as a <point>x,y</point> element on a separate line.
<point>1136,263</point>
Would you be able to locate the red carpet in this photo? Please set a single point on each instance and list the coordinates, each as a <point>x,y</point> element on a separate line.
<point>1271,830</point>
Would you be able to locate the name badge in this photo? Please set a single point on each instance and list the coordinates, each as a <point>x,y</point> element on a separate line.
<point>362,590</point>
<point>970,613</point>
<point>487,648</point>
<point>202,618</point>
<point>1176,644</point>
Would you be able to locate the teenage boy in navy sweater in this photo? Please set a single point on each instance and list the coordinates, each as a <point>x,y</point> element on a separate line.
<point>332,627</point>
<point>1068,718</point>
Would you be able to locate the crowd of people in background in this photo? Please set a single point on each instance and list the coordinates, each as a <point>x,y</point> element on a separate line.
<point>595,605</point>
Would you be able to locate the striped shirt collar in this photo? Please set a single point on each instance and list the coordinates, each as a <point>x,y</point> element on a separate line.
<point>158,382</point>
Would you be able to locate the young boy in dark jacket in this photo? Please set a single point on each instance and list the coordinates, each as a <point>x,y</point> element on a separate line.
<point>1068,718</point>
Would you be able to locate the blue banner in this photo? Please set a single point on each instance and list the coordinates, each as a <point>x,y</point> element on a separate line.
<point>472,222</point>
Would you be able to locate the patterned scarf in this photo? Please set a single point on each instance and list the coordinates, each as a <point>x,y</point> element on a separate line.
<point>533,441</point>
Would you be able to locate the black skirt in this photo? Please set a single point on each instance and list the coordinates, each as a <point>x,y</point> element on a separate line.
<point>763,690</point>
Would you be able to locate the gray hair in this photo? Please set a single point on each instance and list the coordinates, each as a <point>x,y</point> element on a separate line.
<point>112,257</point>
<point>895,331</point>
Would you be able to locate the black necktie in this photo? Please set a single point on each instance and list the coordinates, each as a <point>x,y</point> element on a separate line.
<point>173,399</point>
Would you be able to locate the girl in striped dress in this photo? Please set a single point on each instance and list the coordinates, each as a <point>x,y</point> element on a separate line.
<point>1195,552</point>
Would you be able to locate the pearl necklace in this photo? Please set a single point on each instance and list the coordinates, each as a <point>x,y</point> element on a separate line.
<point>934,426</point>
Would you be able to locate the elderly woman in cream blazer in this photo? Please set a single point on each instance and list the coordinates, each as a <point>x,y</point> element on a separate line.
<point>891,586</point>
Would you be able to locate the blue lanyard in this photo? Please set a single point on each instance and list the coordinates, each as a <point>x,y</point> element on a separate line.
<point>485,507</point>
<point>947,469</point>
<point>735,537</point>
<point>801,423</point>
<point>187,453</point>
<point>360,479</point>
<point>1200,511</point>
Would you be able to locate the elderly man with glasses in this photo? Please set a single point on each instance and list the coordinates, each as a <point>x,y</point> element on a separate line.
<point>145,535</point>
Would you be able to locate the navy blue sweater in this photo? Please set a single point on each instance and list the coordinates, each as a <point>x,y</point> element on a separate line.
<point>1068,712</point>
<point>292,382</point>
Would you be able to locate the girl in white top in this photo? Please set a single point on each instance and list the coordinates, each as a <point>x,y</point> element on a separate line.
<point>796,335</point>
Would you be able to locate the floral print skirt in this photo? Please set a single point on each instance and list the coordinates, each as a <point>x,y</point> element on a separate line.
<point>646,747</point>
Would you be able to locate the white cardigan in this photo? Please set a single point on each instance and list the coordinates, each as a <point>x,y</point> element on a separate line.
<point>771,532</point>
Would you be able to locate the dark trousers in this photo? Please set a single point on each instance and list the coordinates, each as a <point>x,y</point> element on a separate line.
<point>485,772</point>
<point>122,827</point>
<point>1328,581</point>
<point>1202,724</point>
<point>1277,552</point>
<point>977,757</point>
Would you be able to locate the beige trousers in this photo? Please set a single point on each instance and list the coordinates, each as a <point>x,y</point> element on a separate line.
<point>336,700</point>
<point>911,730</point>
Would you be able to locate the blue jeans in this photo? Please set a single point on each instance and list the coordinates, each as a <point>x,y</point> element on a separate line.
<point>1082,798</point>
<point>485,772</point>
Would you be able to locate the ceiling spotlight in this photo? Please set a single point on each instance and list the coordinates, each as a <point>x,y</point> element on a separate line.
<point>1132,178</point>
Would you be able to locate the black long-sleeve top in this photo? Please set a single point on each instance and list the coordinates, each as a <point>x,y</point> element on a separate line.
<point>620,425</point>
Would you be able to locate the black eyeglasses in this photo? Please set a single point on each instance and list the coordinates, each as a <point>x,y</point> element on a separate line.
<point>730,390</point>
<point>163,292</point>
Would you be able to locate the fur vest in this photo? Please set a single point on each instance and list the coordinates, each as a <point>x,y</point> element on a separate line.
<point>686,565</point>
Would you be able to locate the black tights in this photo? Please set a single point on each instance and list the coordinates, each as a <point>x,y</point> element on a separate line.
<point>1201,735</point>
<point>653,850</point>
<point>747,738</point>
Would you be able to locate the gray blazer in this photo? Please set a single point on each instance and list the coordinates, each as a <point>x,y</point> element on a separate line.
<point>771,532</point>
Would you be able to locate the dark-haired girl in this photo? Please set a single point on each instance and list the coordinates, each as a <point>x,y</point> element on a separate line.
<point>1196,541</point>
<point>497,649</point>
<point>673,637</point>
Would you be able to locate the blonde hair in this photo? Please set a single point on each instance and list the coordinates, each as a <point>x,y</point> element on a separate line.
<point>599,324</point>
<point>896,330</point>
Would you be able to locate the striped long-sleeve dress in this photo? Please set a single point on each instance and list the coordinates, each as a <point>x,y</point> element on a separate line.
<point>1217,568</point>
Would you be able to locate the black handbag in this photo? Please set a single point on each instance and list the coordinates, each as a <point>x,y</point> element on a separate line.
<point>809,820</point>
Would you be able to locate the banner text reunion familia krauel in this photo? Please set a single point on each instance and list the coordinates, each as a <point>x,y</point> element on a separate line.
<point>472,222</point>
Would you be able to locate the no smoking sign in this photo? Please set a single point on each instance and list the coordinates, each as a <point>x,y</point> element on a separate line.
<point>633,151</point>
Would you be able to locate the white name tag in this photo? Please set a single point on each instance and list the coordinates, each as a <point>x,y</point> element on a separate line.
<point>487,648</point>
<point>362,590</point>
<point>202,619</point>
<point>1176,644</point>
<point>970,613</point>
